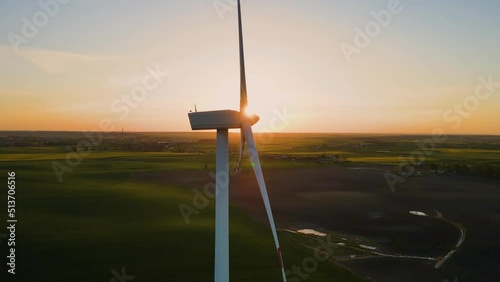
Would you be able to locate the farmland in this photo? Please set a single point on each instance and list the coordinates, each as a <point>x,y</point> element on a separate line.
<point>119,206</point>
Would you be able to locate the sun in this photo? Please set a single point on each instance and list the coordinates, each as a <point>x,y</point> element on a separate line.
<point>248,111</point>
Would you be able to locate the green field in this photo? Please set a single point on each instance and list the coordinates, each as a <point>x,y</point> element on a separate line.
<point>102,218</point>
<point>99,219</point>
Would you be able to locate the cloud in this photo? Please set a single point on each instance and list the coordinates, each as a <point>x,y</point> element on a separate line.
<point>54,61</point>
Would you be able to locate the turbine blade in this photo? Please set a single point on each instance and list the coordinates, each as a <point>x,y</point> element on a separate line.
<point>254,158</point>
<point>243,82</point>
<point>242,149</point>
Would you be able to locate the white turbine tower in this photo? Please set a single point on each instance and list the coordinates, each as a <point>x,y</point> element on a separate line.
<point>222,121</point>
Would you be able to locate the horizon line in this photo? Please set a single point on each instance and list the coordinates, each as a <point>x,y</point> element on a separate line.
<point>284,132</point>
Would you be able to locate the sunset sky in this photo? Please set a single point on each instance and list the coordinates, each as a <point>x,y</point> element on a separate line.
<point>73,71</point>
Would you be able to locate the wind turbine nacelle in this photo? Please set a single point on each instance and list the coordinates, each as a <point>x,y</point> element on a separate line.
<point>224,119</point>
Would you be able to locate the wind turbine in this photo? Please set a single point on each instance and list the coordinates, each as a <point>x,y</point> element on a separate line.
<point>222,121</point>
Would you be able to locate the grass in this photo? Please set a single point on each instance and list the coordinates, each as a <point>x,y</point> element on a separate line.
<point>99,219</point>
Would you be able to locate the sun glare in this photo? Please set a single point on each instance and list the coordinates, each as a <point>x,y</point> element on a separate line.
<point>248,111</point>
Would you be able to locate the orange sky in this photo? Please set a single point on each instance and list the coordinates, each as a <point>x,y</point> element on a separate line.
<point>414,75</point>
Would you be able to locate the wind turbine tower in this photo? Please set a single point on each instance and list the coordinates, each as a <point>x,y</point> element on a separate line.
<point>222,121</point>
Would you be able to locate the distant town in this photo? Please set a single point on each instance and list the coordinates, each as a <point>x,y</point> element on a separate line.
<point>343,149</point>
